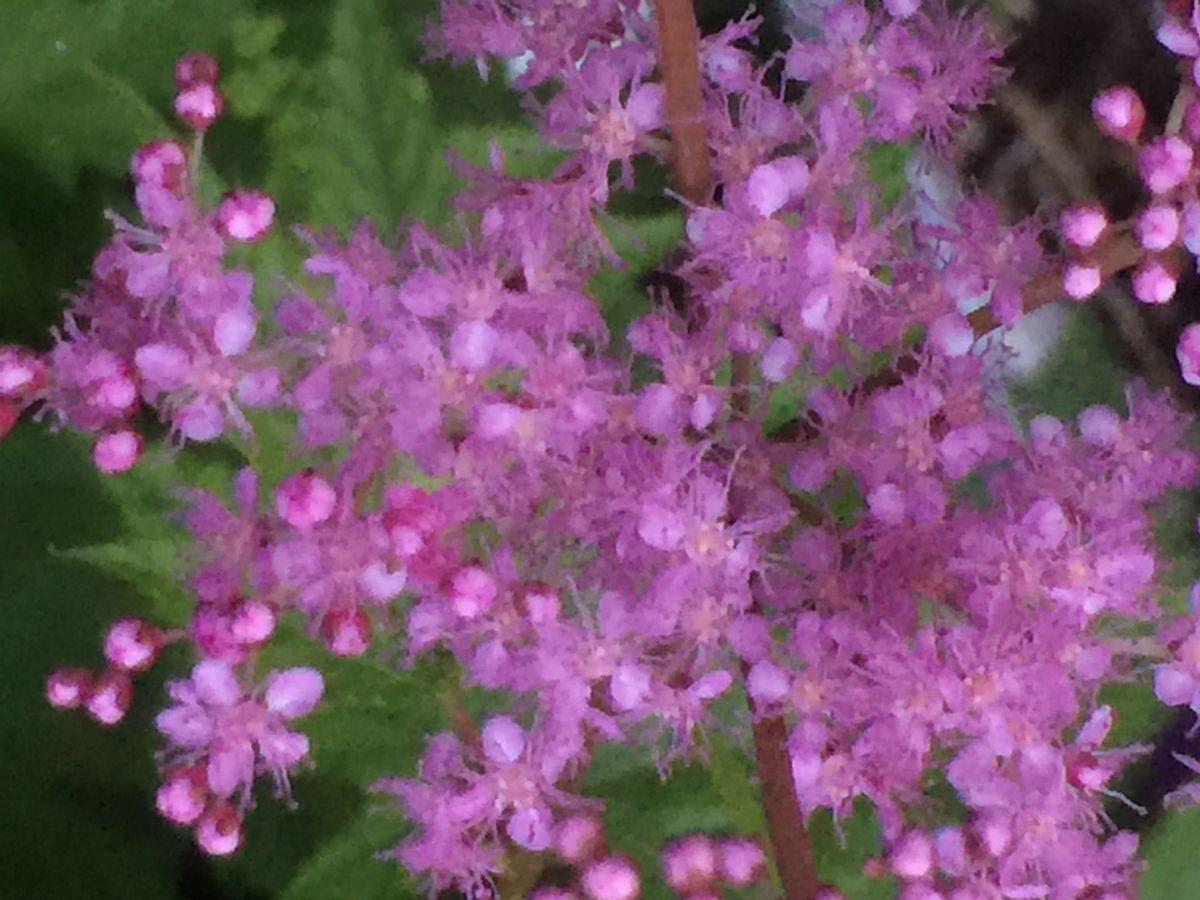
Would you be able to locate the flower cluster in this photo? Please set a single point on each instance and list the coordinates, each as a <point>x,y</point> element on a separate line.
<point>903,579</point>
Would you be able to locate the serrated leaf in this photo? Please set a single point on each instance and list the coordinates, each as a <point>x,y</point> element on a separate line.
<point>149,565</point>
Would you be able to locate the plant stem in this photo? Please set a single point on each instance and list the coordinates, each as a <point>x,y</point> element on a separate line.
<point>679,61</point>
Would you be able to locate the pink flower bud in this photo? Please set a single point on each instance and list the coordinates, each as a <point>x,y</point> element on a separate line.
<point>1080,281</point>
<point>887,503</point>
<point>132,645</point>
<point>472,592</point>
<point>199,106</point>
<point>161,163</point>
<point>612,878</point>
<point>741,862</point>
<point>195,68</point>
<point>110,696</point>
<point>1187,352</point>
<point>293,693</point>
<point>219,831</point>
<point>22,374</point>
<point>779,360</point>
<point>912,856</point>
<point>67,688</point>
<point>1157,227</point>
<point>245,215</point>
<point>1081,226</point>
<point>771,185</point>
<point>540,604</point>
<point>1177,37</point>
<point>579,839</point>
<point>473,344</point>
<point>689,866</point>
<point>1191,122</point>
<point>233,332</point>
<point>951,335</point>
<point>253,622</point>
<point>182,797</point>
<point>1165,163</point>
<point>1119,113</point>
<point>1099,425</point>
<point>346,632</point>
<point>1153,283</point>
<point>503,740</point>
<point>305,500</point>
<point>117,451</point>
<point>902,9</point>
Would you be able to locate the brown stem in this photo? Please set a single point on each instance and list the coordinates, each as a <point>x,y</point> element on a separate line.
<point>679,60</point>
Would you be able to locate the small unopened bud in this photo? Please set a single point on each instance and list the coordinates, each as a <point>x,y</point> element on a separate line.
<point>199,106</point>
<point>117,451</point>
<point>580,839</point>
<point>1165,163</point>
<point>67,688</point>
<point>160,163</point>
<point>472,592</point>
<point>132,645</point>
<point>219,831</point>
<point>195,68</point>
<point>1157,227</point>
<point>690,865</point>
<point>1119,113</point>
<point>1081,226</point>
<point>1081,281</point>
<point>612,878</point>
<point>22,374</point>
<point>347,632</point>
<point>741,862</point>
<point>182,797</point>
<point>253,622</point>
<point>110,696</point>
<point>245,215</point>
<point>912,856</point>
<point>1154,283</point>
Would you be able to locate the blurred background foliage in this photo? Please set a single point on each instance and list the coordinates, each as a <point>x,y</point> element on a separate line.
<point>334,110</point>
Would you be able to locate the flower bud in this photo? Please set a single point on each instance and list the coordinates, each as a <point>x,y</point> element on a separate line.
<point>1119,113</point>
<point>579,839</point>
<point>690,865</point>
<point>1154,283</point>
<point>253,622</point>
<point>305,500</point>
<point>472,592</point>
<point>912,856</point>
<point>1187,352</point>
<point>182,797</point>
<point>741,862</point>
<point>117,451</point>
<point>195,68</point>
<point>199,106</point>
<point>110,696</point>
<point>1157,227</point>
<point>67,688</point>
<point>132,645</point>
<point>1165,163</point>
<point>612,878</point>
<point>245,215</point>
<point>219,831</point>
<point>1081,226</point>
<point>1080,281</point>
<point>347,632</point>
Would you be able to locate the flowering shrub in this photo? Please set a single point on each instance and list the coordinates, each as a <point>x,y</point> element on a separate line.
<point>787,506</point>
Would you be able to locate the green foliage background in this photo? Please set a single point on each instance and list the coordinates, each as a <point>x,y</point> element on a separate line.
<point>335,113</point>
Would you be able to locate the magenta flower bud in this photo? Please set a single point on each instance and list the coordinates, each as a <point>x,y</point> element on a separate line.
<point>1165,163</point>
<point>771,185</point>
<point>1177,37</point>
<point>117,451</point>
<point>1081,226</point>
<point>767,683</point>
<point>305,500</point>
<point>1080,280</point>
<point>253,622</point>
<point>160,163</point>
<point>245,216</point>
<point>195,68</point>
<point>116,394</point>
<point>579,839</point>
<point>1119,113</point>
<point>1157,227</point>
<point>219,831</point>
<point>1190,227</point>
<point>380,583</point>
<point>182,798</point>
<point>541,604</point>
<point>950,846</point>
<point>472,592</point>
<point>22,374</point>
<point>530,827</point>
<point>887,503</point>
<point>503,740</point>
<point>645,106</point>
<point>473,344</point>
<point>612,878</point>
<point>67,688</point>
<point>132,645</point>
<point>347,632</point>
<point>630,686</point>
<point>199,106</point>
<point>163,366</point>
<point>1154,283</point>
<point>294,692</point>
<point>711,686</point>
<point>689,866</point>
<point>912,856</point>
<point>110,696</point>
<point>994,835</point>
<point>741,862</point>
<point>1187,352</point>
<point>1174,686</point>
